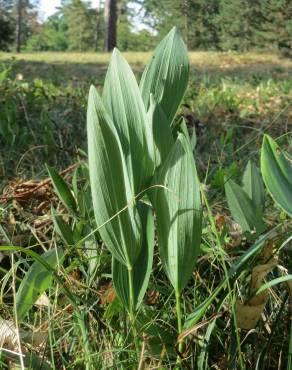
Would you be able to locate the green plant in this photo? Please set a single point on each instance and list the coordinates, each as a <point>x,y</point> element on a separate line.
<point>146,187</point>
<point>132,155</point>
<point>277,173</point>
<point>246,202</point>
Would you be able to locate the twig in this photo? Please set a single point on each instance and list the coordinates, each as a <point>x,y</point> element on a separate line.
<point>5,198</point>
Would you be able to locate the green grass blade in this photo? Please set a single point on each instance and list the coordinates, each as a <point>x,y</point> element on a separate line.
<point>177,205</point>
<point>277,174</point>
<point>112,195</point>
<point>123,102</point>
<point>36,281</point>
<point>253,185</point>
<point>273,282</point>
<point>233,272</point>
<point>62,190</point>
<point>166,75</point>
<point>62,229</point>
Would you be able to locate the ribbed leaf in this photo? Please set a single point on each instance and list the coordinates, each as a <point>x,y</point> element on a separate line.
<point>62,190</point>
<point>163,140</point>
<point>142,267</point>
<point>112,195</point>
<point>62,229</point>
<point>36,281</point>
<point>277,174</point>
<point>242,209</point>
<point>123,102</point>
<point>166,75</point>
<point>178,209</point>
<point>253,185</point>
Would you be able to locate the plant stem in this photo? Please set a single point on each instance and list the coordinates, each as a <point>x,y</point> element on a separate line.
<point>80,316</point>
<point>132,309</point>
<point>179,320</point>
<point>289,366</point>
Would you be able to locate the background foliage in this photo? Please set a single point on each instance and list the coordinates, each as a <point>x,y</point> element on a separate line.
<point>205,25</point>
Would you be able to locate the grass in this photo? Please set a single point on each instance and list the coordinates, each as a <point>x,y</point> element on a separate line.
<point>64,67</point>
<point>231,101</point>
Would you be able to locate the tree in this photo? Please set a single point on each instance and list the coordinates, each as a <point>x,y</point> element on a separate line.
<point>81,25</point>
<point>275,27</point>
<point>6,24</point>
<point>196,19</point>
<point>18,28</point>
<point>25,21</point>
<point>52,36</point>
<point>110,20</point>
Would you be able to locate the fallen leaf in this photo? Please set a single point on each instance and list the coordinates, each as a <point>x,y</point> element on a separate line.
<point>257,277</point>
<point>248,316</point>
<point>107,294</point>
<point>152,297</point>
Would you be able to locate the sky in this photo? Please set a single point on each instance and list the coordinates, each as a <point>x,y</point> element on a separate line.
<point>48,7</point>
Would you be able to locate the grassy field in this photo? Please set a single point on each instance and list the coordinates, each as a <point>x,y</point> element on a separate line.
<point>231,101</point>
<point>64,67</point>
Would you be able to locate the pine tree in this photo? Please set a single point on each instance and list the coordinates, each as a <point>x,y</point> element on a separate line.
<point>6,24</point>
<point>25,13</point>
<point>275,28</point>
<point>234,20</point>
<point>81,24</point>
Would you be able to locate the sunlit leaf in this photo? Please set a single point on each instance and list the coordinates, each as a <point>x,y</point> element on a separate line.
<point>36,280</point>
<point>277,174</point>
<point>142,267</point>
<point>112,195</point>
<point>163,140</point>
<point>123,102</point>
<point>62,190</point>
<point>166,75</point>
<point>253,185</point>
<point>242,209</point>
<point>177,205</point>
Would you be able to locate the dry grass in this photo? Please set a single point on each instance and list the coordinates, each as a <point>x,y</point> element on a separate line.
<point>85,68</point>
<point>197,58</point>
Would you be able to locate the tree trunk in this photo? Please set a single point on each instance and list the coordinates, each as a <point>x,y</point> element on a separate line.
<point>96,34</point>
<point>18,26</point>
<point>110,20</point>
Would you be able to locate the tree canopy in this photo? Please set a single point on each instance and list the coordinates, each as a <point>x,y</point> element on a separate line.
<point>138,24</point>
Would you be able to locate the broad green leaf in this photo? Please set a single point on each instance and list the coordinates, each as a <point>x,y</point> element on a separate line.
<point>163,140</point>
<point>177,204</point>
<point>123,102</point>
<point>142,267</point>
<point>242,209</point>
<point>253,185</point>
<point>62,229</point>
<point>113,198</point>
<point>277,174</point>
<point>166,75</point>
<point>62,190</point>
<point>36,281</point>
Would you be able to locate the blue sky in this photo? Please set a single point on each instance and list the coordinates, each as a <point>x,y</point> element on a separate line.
<point>48,7</point>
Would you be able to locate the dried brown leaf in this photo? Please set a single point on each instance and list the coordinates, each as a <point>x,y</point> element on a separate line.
<point>248,316</point>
